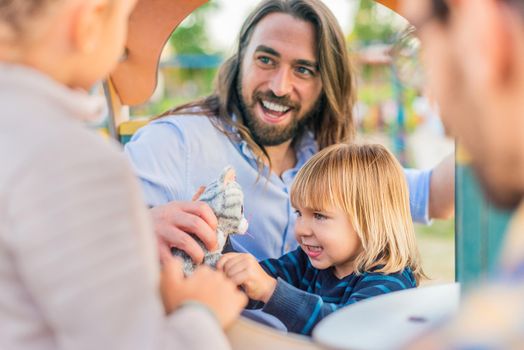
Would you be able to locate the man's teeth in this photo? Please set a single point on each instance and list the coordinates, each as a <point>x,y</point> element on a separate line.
<point>275,107</point>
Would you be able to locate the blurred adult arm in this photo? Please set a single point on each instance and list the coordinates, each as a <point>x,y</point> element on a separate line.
<point>85,253</point>
<point>432,191</point>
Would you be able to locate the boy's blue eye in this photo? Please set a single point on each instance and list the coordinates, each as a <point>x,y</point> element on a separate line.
<point>298,213</point>
<point>319,216</point>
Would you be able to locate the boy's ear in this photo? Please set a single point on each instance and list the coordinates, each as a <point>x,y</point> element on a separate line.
<point>88,27</point>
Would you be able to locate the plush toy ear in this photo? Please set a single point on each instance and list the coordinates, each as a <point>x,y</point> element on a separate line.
<point>229,175</point>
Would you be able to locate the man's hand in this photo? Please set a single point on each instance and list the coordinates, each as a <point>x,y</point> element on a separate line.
<point>244,270</point>
<point>175,220</point>
<point>208,287</point>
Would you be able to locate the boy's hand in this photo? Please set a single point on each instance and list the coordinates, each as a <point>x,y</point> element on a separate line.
<point>210,288</point>
<point>244,270</point>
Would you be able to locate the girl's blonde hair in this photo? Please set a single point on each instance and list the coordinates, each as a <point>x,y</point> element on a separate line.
<point>368,184</point>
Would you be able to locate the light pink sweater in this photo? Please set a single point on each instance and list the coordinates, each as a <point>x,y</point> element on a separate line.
<point>78,263</point>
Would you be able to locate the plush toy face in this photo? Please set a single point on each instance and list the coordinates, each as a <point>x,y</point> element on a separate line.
<point>226,199</point>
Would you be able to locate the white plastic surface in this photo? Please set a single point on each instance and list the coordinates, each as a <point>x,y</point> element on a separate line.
<point>388,321</point>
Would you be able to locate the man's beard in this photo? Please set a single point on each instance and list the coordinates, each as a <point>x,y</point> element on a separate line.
<point>272,135</point>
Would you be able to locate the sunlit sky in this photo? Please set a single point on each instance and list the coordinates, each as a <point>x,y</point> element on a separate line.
<point>225,25</point>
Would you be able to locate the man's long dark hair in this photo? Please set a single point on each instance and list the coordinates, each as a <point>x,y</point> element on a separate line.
<point>334,121</point>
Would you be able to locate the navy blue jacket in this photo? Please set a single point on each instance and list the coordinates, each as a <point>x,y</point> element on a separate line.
<point>305,295</point>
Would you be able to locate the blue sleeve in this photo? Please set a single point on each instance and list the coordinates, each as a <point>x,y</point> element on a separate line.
<point>373,284</point>
<point>290,267</point>
<point>301,311</point>
<point>298,310</point>
<point>418,185</point>
<point>158,155</point>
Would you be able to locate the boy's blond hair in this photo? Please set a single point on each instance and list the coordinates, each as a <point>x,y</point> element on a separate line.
<point>368,184</point>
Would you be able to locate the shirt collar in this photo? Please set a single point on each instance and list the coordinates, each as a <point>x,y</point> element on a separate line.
<point>237,139</point>
<point>78,103</point>
<point>306,147</point>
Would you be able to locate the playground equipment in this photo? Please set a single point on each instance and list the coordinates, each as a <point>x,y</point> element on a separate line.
<point>479,228</point>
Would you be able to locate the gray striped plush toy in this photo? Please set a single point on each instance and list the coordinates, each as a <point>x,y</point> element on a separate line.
<point>226,199</point>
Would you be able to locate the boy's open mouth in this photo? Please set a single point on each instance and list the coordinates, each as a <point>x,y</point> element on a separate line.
<point>313,251</point>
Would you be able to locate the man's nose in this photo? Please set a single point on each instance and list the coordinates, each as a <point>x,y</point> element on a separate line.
<point>282,83</point>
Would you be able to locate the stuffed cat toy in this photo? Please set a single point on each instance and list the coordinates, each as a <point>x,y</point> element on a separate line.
<point>226,199</point>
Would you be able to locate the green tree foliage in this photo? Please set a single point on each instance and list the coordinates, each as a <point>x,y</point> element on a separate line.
<point>191,37</point>
<point>373,24</point>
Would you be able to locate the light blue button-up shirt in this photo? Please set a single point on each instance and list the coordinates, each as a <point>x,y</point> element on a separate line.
<point>175,155</point>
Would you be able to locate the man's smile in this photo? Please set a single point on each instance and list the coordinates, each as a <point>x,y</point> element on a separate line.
<point>272,112</point>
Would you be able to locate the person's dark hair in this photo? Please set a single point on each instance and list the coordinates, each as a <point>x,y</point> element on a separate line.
<point>334,122</point>
<point>518,4</point>
<point>440,9</point>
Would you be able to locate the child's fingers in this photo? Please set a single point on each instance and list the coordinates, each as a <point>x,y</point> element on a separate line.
<point>233,269</point>
<point>236,261</point>
<point>164,252</point>
<point>172,268</point>
<point>224,259</point>
<point>240,277</point>
<point>171,280</point>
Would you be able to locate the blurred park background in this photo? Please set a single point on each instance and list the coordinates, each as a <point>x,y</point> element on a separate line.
<point>393,106</point>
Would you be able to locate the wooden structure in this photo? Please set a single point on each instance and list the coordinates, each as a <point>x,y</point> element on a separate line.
<point>135,78</point>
